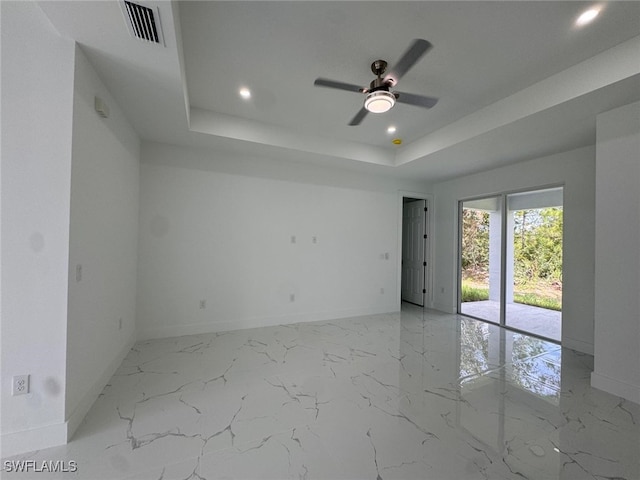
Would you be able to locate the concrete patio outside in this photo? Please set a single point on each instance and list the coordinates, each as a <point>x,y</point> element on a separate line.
<point>539,321</point>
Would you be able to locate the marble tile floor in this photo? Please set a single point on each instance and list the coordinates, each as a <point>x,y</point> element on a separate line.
<point>412,395</point>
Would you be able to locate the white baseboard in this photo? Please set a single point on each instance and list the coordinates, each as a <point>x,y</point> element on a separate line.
<point>91,395</point>
<point>256,322</point>
<point>30,440</point>
<point>578,345</point>
<point>59,434</point>
<point>616,387</point>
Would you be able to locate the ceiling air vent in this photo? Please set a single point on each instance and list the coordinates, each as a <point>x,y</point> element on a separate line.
<point>142,22</point>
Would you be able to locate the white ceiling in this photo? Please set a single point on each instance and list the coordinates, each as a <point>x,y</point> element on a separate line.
<point>515,79</point>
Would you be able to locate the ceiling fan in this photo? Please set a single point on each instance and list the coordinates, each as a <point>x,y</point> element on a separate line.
<point>379,96</point>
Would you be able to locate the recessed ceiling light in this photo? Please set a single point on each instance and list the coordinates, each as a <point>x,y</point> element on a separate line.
<point>391,129</point>
<point>587,17</point>
<point>245,93</point>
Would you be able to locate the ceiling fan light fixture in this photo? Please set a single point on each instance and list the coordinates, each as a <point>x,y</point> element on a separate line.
<point>379,101</point>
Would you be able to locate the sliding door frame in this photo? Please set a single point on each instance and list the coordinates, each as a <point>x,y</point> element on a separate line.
<point>503,254</point>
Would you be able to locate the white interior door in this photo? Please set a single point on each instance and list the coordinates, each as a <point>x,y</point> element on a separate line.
<point>413,251</point>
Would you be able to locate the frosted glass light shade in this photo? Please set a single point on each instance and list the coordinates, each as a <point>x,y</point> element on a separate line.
<point>379,101</point>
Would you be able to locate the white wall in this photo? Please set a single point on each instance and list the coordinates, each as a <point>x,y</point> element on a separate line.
<point>617,253</point>
<point>37,112</point>
<point>226,239</point>
<point>103,240</point>
<point>575,169</point>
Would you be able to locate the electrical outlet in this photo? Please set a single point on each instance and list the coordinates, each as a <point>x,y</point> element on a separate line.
<point>20,385</point>
<point>203,304</point>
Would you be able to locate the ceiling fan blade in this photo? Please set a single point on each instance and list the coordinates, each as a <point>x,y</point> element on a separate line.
<point>417,49</point>
<point>359,117</point>
<point>417,100</point>
<point>323,82</point>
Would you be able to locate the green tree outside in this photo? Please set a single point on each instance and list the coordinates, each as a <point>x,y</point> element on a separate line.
<point>537,250</point>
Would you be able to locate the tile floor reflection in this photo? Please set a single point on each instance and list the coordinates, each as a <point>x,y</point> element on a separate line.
<point>413,395</point>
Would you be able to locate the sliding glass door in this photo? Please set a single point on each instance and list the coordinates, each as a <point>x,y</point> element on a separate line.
<point>480,269</point>
<point>510,257</point>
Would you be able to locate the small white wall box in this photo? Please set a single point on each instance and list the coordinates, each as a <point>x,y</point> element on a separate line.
<point>101,107</point>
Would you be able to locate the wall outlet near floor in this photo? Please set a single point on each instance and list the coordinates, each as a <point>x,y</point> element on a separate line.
<point>20,385</point>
